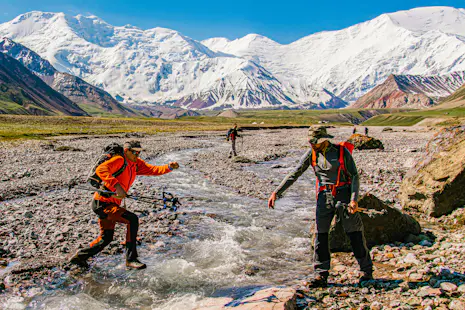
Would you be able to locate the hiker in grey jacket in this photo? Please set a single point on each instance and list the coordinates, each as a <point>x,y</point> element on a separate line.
<point>337,194</point>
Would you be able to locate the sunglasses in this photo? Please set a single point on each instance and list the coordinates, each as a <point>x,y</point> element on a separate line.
<point>135,152</point>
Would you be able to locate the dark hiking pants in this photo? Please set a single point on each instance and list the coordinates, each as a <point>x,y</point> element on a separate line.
<point>109,215</point>
<point>233,148</point>
<point>353,226</point>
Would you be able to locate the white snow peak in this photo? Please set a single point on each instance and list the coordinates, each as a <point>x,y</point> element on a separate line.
<point>326,69</point>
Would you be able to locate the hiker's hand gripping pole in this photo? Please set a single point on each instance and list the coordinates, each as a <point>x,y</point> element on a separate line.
<point>352,207</point>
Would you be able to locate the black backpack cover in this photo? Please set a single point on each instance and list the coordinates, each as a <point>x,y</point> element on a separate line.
<point>111,150</point>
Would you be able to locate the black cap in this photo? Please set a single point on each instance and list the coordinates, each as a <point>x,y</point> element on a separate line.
<point>133,145</point>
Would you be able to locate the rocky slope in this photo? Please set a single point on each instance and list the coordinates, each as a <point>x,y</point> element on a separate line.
<point>21,92</point>
<point>411,91</point>
<point>74,88</point>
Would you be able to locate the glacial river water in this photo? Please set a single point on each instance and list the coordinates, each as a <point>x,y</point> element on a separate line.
<point>222,238</point>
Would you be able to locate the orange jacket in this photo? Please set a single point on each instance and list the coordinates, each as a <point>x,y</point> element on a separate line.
<point>126,178</point>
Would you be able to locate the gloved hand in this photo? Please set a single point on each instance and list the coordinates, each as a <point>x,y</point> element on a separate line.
<point>173,165</point>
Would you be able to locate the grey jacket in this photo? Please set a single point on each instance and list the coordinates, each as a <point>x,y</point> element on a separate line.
<point>326,169</point>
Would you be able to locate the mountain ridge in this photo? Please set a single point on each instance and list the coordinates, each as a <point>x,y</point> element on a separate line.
<point>411,91</point>
<point>326,69</point>
<point>74,88</point>
<point>22,92</point>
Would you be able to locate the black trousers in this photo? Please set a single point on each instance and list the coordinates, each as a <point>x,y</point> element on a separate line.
<point>109,215</point>
<point>353,226</point>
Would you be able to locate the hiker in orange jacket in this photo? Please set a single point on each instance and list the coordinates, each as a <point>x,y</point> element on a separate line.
<point>108,207</point>
<point>338,186</point>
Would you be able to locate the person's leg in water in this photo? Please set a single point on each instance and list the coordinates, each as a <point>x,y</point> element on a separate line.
<point>107,229</point>
<point>322,256</point>
<point>112,214</point>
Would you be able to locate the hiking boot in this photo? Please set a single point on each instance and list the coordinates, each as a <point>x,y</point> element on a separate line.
<point>79,260</point>
<point>135,264</point>
<point>366,276</point>
<point>318,281</point>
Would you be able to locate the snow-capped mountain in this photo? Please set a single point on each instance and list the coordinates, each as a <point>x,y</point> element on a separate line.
<point>412,91</point>
<point>74,88</point>
<point>350,62</point>
<point>156,65</point>
<point>326,69</point>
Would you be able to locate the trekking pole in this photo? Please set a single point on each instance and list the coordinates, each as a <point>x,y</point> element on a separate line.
<point>168,199</point>
<point>344,208</point>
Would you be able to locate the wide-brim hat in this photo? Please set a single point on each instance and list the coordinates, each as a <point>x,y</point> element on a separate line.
<point>318,132</point>
<point>133,145</point>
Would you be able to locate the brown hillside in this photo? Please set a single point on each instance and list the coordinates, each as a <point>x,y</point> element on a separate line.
<point>21,92</point>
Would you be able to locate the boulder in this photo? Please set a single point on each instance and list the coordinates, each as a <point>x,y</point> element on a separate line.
<point>435,184</point>
<point>362,142</point>
<point>273,298</point>
<point>382,225</point>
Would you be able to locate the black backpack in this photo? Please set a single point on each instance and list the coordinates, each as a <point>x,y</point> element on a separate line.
<point>111,150</point>
<point>230,131</point>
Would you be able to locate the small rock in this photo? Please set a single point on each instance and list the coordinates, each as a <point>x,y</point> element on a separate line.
<point>376,305</point>
<point>394,303</point>
<point>251,270</point>
<point>457,305</point>
<point>415,277</point>
<point>411,259</point>
<point>448,287</point>
<point>461,289</point>
<point>413,301</point>
<point>425,243</point>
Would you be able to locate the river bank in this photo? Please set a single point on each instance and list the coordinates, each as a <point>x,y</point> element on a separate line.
<point>44,222</point>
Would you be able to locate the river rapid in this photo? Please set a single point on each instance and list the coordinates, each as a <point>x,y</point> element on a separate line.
<point>228,245</point>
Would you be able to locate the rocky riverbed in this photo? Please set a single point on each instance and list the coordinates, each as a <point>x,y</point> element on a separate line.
<point>39,231</point>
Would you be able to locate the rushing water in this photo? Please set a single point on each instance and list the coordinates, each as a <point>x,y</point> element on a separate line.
<point>227,234</point>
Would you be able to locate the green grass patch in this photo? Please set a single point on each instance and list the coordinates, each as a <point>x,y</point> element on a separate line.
<point>97,111</point>
<point>38,127</point>
<point>10,107</point>
<point>409,118</point>
<point>393,120</point>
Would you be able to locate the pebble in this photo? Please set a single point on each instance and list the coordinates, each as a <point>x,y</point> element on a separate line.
<point>457,305</point>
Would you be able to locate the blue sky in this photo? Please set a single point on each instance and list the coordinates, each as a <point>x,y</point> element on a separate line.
<point>283,21</point>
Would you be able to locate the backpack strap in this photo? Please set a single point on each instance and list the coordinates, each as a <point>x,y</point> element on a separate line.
<point>120,170</point>
<point>313,163</point>
<point>117,173</point>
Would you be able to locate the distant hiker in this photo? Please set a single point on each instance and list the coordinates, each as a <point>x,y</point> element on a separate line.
<point>232,135</point>
<point>355,130</point>
<point>108,207</point>
<point>366,131</point>
<point>337,194</point>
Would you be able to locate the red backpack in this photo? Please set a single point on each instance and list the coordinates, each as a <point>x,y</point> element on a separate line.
<point>342,145</point>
